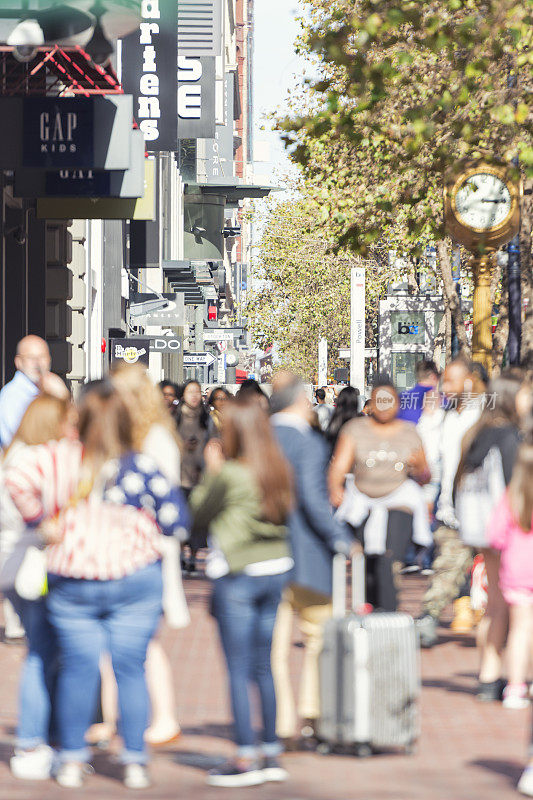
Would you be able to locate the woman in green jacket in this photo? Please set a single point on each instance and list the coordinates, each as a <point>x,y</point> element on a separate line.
<point>243,501</point>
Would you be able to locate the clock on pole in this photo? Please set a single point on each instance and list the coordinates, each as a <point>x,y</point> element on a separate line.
<point>482,212</point>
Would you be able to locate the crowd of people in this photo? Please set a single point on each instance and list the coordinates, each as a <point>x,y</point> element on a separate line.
<point>105,503</point>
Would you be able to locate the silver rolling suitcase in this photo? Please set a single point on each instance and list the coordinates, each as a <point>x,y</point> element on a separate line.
<point>369,673</point>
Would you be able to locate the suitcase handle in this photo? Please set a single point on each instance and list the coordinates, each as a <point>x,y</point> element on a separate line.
<point>339,584</point>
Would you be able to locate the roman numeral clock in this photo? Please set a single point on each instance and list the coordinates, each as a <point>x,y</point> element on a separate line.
<point>482,212</point>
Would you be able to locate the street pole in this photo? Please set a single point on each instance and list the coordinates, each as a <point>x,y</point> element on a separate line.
<point>357,328</point>
<point>514,342</point>
<point>322,362</point>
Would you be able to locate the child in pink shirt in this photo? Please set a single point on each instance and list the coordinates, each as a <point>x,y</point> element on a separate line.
<point>510,531</point>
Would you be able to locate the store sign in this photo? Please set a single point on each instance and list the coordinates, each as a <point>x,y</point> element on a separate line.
<point>76,132</point>
<point>149,58</point>
<point>142,208</point>
<point>129,351</point>
<point>171,316</point>
<point>219,151</point>
<point>196,98</point>
<point>407,328</point>
<point>68,182</point>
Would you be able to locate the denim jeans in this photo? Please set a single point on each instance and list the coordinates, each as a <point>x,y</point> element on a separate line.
<point>38,674</point>
<point>91,617</point>
<point>245,608</point>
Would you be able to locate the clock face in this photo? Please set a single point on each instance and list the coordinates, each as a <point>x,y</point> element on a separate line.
<point>483,201</point>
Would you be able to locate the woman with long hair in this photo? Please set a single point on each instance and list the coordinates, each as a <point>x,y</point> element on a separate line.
<point>104,508</point>
<point>154,433</point>
<point>192,419</point>
<point>488,455</point>
<point>244,501</point>
<point>47,418</point>
<point>346,408</point>
<point>382,501</point>
<point>217,400</point>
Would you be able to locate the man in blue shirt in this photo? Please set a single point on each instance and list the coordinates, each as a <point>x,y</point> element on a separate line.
<point>412,400</point>
<point>33,364</point>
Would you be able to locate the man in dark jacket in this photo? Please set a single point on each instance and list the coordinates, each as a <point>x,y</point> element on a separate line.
<point>315,537</point>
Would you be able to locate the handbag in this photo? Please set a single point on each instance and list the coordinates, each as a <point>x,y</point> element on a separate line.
<point>476,497</point>
<point>31,577</point>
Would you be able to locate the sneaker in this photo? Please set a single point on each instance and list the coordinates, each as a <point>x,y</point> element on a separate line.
<point>427,572</point>
<point>525,784</point>
<point>32,765</point>
<point>72,775</point>
<point>136,777</point>
<point>426,626</point>
<point>515,696</point>
<point>410,568</point>
<point>240,772</point>
<point>272,771</point>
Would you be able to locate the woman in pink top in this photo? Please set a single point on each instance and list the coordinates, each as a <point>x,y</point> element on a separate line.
<point>510,531</point>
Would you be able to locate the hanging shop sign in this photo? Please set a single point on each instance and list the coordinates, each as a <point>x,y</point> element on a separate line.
<point>85,182</point>
<point>142,208</point>
<point>66,132</point>
<point>172,315</point>
<point>219,151</point>
<point>129,351</point>
<point>196,98</point>
<point>149,58</point>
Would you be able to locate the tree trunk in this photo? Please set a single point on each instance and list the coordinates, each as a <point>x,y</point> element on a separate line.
<point>440,342</point>
<point>501,334</point>
<point>451,300</point>
<point>527,277</point>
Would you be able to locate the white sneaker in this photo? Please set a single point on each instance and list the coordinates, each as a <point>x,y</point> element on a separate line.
<point>136,777</point>
<point>525,784</point>
<point>72,775</point>
<point>32,765</point>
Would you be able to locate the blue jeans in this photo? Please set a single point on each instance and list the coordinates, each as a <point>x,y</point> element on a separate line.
<point>91,617</point>
<point>38,674</point>
<point>245,608</point>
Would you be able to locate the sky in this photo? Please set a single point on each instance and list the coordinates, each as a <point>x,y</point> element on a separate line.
<point>276,69</point>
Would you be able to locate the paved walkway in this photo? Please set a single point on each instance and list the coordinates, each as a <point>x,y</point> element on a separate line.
<point>468,751</point>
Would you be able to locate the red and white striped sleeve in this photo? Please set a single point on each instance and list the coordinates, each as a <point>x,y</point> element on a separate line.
<point>26,475</point>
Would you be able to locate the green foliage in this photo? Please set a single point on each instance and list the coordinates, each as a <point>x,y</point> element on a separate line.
<point>301,289</point>
<point>405,90</point>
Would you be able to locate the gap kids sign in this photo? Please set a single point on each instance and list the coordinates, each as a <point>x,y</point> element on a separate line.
<point>149,73</point>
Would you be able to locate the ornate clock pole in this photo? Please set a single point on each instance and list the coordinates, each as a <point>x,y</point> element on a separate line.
<point>482,212</point>
<point>482,310</point>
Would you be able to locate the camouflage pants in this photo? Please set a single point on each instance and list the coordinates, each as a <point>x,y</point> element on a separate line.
<point>452,564</point>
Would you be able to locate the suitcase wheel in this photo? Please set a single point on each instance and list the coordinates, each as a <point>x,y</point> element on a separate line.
<point>363,751</point>
<point>410,749</point>
<point>324,749</point>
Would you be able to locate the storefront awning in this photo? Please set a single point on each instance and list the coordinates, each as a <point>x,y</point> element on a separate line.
<point>231,189</point>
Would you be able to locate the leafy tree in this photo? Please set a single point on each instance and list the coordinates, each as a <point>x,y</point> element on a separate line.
<point>406,91</point>
<point>302,289</point>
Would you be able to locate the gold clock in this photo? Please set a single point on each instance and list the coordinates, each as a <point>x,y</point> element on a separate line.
<point>482,205</point>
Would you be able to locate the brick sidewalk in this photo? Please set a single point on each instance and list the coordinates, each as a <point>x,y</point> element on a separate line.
<point>468,750</point>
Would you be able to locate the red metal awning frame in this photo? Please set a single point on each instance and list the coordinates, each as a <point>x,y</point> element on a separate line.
<point>56,71</point>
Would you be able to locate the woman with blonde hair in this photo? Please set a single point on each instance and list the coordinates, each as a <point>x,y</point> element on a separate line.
<point>105,506</point>
<point>47,418</point>
<point>155,434</point>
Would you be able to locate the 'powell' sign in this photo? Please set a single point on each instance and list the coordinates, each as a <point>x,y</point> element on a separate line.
<point>149,73</point>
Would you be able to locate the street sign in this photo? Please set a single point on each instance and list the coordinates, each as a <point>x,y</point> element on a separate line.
<point>219,335</point>
<point>198,359</point>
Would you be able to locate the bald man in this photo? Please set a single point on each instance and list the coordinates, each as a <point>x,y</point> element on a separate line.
<point>33,365</point>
